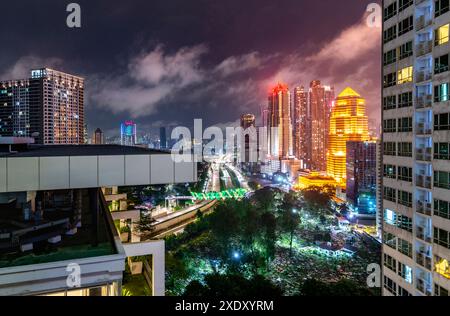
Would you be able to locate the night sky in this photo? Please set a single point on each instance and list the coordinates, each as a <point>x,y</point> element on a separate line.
<point>165,63</point>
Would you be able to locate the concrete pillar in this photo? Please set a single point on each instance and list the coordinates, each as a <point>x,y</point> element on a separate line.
<point>95,212</point>
<point>159,270</point>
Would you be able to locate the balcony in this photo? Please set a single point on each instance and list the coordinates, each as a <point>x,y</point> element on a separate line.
<point>424,48</point>
<point>424,260</point>
<point>424,154</point>
<point>422,235</point>
<point>423,75</point>
<point>423,22</point>
<point>65,225</point>
<point>424,129</point>
<point>423,286</point>
<point>424,208</point>
<point>424,181</point>
<point>424,101</point>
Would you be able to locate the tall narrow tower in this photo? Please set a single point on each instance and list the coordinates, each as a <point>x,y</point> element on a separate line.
<point>280,126</point>
<point>302,137</point>
<point>320,104</point>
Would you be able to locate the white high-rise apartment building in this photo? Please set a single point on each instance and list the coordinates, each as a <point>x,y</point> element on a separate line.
<point>416,148</point>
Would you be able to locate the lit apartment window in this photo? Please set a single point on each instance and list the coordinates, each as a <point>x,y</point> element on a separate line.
<point>405,25</point>
<point>405,75</point>
<point>403,4</point>
<point>441,64</point>
<point>389,215</point>
<point>441,35</point>
<point>441,93</point>
<point>441,7</point>
<point>390,171</point>
<point>405,272</point>
<point>442,209</point>
<point>390,11</point>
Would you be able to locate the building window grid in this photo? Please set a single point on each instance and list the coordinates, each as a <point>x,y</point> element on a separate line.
<point>405,174</point>
<point>441,92</point>
<point>405,100</point>
<point>441,7</point>
<point>441,237</point>
<point>404,4</point>
<point>405,149</point>
<point>442,208</point>
<point>441,35</point>
<point>405,26</point>
<point>441,64</point>
<point>442,151</point>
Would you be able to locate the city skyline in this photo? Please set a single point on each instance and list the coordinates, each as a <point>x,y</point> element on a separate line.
<point>208,148</point>
<point>134,81</point>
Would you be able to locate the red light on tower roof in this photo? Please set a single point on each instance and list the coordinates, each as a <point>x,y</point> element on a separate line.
<point>280,87</point>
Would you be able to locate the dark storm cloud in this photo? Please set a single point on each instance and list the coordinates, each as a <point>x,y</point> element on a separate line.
<point>170,61</point>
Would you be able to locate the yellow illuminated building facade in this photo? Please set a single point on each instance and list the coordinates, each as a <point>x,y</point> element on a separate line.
<point>348,122</point>
<point>314,179</point>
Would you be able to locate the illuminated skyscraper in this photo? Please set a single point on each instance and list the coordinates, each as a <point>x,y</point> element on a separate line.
<point>49,106</point>
<point>279,122</point>
<point>128,133</point>
<point>416,148</point>
<point>320,103</point>
<point>348,122</point>
<point>302,136</point>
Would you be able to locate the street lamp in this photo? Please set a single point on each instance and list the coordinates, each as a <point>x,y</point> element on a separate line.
<point>236,255</point>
